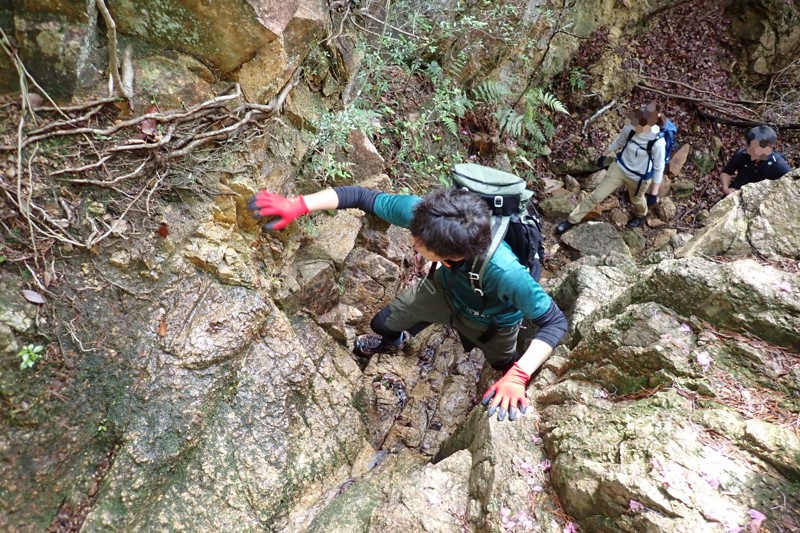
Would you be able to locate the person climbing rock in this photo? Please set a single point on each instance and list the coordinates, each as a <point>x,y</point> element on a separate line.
<point>449,226</point>
<point>641,161</point>
<point>759,161</point>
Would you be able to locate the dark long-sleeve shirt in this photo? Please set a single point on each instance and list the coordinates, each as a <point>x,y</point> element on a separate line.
<point>745,170</point>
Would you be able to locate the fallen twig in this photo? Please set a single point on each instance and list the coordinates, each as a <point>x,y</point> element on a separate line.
<point>599,112</point>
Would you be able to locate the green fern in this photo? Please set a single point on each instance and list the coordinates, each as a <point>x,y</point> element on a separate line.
<point>456,66</point>
<point>490,91</point>
<point>510,122</point>
<point>539,96</point>
<point>450,125</point>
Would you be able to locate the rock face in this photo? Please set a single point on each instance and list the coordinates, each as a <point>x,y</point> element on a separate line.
<point>56,42</point>
<point>767,33</point>
<point>226,35</point>
<point>260,43</point>
<point>205,381</point>
<point>761,218</point>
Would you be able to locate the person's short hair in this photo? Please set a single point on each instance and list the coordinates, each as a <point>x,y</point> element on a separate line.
<point>453,223</point>
<point>765,136</point>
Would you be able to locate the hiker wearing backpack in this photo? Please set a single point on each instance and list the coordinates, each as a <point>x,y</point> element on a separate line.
<point>759,161</point>
<point>644,146</point>
<point>452,227</point>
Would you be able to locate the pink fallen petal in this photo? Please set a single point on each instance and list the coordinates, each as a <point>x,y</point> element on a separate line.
<point>686,328</point>
<point>536,439</point>
<point>784,286</point>
<point>713,481</point>
<point>527,468</point>
<point>756,519</point>
<point>537,488</point>
<point>635,507</point>
<point>571,527</point>
<point>703,359</point>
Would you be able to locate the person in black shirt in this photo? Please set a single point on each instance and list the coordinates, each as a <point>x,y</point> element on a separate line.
<point>756,162</point>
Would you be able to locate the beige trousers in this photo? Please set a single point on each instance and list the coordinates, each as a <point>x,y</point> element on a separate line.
<point>614,178</point>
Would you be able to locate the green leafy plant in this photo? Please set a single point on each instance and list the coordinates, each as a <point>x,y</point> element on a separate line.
<point>577,78</point>
<point>704,160</point>
<point>332,131</point>
<point>449,102</point>
<point>534,121</point>
<point>30,354</point>
<point>490,91</point>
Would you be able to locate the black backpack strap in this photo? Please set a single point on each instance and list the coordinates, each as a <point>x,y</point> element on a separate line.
<point>630,136</point>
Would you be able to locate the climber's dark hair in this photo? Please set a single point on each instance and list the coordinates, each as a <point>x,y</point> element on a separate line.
<point>765,136</point>
<point>453,223</point>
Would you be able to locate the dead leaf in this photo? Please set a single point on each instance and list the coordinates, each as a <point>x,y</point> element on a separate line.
<point>149,126</point>
<point>48,278</point>
<point>162,327</point>
<point>35,100</point>
<point>33,297</point>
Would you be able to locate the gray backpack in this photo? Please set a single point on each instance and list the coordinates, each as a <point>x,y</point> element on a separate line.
<point>514,218</point>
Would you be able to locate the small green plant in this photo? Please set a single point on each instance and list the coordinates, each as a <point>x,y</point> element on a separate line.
<point>309,227</point>
<point>704,161</point>
<point>332,131</point>
<point>340,285</point>
<point>577,78</point>
<point>30,354</point>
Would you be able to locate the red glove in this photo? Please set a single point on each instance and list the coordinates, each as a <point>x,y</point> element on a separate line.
<point>267,204</point>
<point>508,394</point>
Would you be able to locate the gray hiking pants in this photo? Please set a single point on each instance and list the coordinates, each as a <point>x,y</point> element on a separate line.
<point>426,301</point>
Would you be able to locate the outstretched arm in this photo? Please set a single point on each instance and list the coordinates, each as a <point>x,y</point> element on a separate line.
<point>268,204</point>
<point>322,200</point>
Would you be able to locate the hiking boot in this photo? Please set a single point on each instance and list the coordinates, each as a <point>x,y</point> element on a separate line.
<point>636,222</point>
<point>370,344</point>
<point>564,227</point>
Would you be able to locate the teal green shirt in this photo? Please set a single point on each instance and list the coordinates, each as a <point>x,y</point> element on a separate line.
<point>510,291</point>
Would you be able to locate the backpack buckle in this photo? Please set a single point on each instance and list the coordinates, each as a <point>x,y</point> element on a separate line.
<point>478,292</point>
<point>498,201</point>
<point>474,276</point>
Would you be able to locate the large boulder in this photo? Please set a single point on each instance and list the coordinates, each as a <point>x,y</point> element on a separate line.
<point>264,74</point>
<point>761,218</point>
<point>743,296</point>
<point>595,239</point>
<point>56,42</point>
<point>226,35</point>
<point>634,448</point>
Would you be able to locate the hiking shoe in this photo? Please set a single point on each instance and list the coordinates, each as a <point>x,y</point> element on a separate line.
<point>370,344</point>
<point>636,222</point>
<point>564,227</point>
